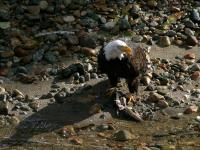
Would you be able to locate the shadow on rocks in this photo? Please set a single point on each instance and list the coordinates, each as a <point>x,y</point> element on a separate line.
<point>55,116</point>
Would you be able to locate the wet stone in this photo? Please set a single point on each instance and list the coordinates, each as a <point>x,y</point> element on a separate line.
<point>88,41</point>
<point>123,135</point>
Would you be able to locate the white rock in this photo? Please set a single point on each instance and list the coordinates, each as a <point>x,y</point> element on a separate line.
<point>68,19</point>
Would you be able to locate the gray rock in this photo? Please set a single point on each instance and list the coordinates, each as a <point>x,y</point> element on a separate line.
<point>194,67</point>
<point>21,69</point>
<point>71,39</point>
<point>189,24</point>
<point>76,76</point>
<point>181,35</point>
<point>38,55</point>
<point>192,40</point>
<point>109,25</point>
<point>124,24</point>
<point>88,41</point>
<point>68,19</point>
<point>188,31</point>
<point>89,23</point>
<point>153,24</point>
<point>60,97</point>
<point>195,15</point>
<point>81,79</point>
<point>137,38</point>
<point>123,135</point>
<point>51,56</point>
<point>171,33</point>
<point>94,76</point>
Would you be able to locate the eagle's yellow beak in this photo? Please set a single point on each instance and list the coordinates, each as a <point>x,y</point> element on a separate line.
<point>127,50</point>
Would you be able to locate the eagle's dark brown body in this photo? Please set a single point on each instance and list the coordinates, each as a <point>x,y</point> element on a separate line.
<point>116,68</point>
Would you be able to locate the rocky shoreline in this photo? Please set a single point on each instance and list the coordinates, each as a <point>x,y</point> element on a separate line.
<point>50,88</point>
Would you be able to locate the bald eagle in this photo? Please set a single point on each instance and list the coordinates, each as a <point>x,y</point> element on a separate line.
<point>114,59</point>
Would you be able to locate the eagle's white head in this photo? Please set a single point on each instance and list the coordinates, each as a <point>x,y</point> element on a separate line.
<point>116,49</point>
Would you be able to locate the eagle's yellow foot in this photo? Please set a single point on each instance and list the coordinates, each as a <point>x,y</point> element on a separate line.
<point>131,98</point>
<point>111,91</point>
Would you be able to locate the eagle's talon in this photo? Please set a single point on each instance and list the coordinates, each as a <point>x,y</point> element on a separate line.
<point>130,98</point>
<point>111,91</point>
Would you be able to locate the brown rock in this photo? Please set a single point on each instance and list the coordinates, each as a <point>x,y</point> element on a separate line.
<point>189,56</point>
<point>89,51</point>
<point>195,75</point>
<point>20,52</point>
<point>191,109</point>
<point>6,54</point>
